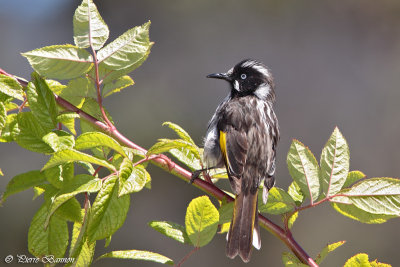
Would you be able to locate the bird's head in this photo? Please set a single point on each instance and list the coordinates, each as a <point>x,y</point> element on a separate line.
<point>249,77</point>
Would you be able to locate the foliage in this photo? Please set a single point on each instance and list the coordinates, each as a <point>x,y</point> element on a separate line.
<point>30,116</point>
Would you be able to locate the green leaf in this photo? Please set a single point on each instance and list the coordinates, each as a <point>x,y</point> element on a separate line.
<point>335,161</point>
<point>117,85</point>
<point>3,116</point>
<point>290,260</point>
<point>107,74</point>
<point>70,211</point>
<point>376,195</point>
<point>70,155</point>
<point>80,184</point>
<point>217,173</point>
<point>37,191</point>
<point>6,133</point>
<point>83,256</point>
<point>187,157</point>
<point>68,119</point>
<point>96,139</point>
<point>353,177</point>
<point>359,260</point>
<point>138,255</point>
<point>89,27</point>
<point>201,221</point>
<point>279,202</point>
<point>164,145</point>
<point>68,171</point>
<point>326,250</point>
<point>292,219</point>
<point>375,263</point>
<point>10,106</point>
<point>91,107</point>
<point>303,168</point>
<point>125,168</point>
<point>77,90</point>
<point>127,50</point>
<point>108,241</point>
<point>226,212</point>
<point>117,160</point>
<point>11,87</point>
<point>59,140</point>
<point>28,133</point>
<point>22,182</point>
<point>77,231</point>
<point>131,179</point>
<point>80,249</point>
<point>172,230</point>
<point>179,131</point>
<point>52,241</point>
<point>54,176</point>
<point>108,212</point>
<point>1,173</point>
<point>224,228</point>
<point>295,192</point>
<point>60,61</point>
<point>344,206</point>
<point>41,101</point>
<point>49,192</point>
<point>55,86</point>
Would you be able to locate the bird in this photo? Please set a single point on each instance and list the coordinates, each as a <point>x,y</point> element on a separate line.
<point>242,135</point>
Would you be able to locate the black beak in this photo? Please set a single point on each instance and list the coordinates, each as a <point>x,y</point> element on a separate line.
<point>222,76</point>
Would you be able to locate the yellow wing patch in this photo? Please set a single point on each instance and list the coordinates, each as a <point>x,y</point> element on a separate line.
<point>222,144</point>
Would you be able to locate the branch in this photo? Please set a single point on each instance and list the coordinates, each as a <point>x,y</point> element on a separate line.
<point>187,256</point>
<point>98,88</point>
<point>166,163</point>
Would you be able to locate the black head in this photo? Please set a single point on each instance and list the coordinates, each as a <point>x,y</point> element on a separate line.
<point>249,77</point>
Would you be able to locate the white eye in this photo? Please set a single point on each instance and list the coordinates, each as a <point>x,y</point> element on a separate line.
<point>243,76</point>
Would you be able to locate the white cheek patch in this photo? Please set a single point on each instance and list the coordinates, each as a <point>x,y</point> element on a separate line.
<point>236,85</point>
<point>263,91</point>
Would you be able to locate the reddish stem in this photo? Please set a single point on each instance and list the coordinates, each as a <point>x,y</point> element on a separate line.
<point>99,168</point>
<point>97,171</point>
<point>86,204</point>
<point>98,89</point>
<point>318,202</point>
<point>22,105</point>
<point>187,256</point>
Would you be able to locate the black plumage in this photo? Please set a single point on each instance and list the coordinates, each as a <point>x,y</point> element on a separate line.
<point>242,135</point>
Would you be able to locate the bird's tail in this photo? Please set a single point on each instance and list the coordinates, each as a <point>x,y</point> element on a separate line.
<point>244,223</point>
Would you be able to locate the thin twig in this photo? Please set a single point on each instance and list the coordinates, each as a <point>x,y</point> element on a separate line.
<point>187,256</point>
<point>99,168</point>
<point>98,89</point>
<point>318,202</point>
<point>22,105</point>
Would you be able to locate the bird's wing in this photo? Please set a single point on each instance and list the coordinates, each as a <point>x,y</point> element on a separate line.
<point>234,147</point>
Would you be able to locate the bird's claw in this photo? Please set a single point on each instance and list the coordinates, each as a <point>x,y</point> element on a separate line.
<point>195,175</point>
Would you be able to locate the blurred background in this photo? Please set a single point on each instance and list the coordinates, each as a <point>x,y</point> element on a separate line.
<point>335,63</point>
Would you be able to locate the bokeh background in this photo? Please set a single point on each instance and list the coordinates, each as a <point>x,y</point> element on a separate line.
<point>334,62</point>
